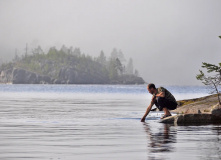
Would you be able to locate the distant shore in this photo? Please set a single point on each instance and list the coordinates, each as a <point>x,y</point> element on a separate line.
<point>22,76</point>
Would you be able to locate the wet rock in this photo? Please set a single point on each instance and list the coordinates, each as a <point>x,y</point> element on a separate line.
<point>170,120</point>
<point>190,119</point>
<point>216,111</point>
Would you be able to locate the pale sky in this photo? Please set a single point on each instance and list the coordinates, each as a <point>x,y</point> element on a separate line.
<point>167,39</point>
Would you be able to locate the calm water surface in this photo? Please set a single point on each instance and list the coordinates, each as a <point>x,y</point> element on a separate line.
<point>97,122</point>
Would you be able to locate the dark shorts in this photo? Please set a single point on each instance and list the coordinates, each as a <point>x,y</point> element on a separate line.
<point>161,103</point>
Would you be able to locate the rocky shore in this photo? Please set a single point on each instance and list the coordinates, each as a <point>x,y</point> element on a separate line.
<point>198,111</point>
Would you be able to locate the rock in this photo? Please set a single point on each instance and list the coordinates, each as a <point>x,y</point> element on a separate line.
<point>6,76</point>
<point>170,120</point>
<point>56,81</point>
<point>130,79</point>
<point>72,76</point>
<point>46,79</point>
<point>204,110</point>
<point>192,106</point>
<point>19,76</point>
<point>31,78</point>
<point>191,119</point>
<point>67,75</point>
<point>194,119</point>
<point>216,111</point>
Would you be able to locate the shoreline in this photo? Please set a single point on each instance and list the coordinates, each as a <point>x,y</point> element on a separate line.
<point>203,110</point>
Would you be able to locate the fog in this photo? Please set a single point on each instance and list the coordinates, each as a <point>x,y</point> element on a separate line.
<point>168,40</point>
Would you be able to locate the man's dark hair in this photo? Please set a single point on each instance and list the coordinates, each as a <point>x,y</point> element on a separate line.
<point>151,85</point>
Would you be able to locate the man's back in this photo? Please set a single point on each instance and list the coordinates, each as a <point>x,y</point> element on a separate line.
<point>168,95</point>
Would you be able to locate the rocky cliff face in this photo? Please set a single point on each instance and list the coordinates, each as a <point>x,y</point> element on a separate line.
<point>21,76</point>
<point>66,76</point>
<point>71,76</point>
<point>6,76</point>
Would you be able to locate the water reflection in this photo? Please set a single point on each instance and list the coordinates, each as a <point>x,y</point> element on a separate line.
<point>210,145</point>
<point>160,139</point>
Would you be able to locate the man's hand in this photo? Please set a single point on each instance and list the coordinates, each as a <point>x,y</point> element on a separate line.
<point>143,119</point>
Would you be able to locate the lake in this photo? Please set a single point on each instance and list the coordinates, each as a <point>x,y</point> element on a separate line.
<point>97,122</point>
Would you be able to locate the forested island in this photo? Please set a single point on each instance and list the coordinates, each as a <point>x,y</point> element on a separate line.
<point>69,66</point>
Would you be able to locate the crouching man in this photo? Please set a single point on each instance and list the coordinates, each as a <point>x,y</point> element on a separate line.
<point>163,100</point>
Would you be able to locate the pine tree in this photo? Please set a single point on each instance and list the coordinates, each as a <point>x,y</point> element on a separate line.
<point>211,80</point>
<point>130,67</point>
<point>102,58</point>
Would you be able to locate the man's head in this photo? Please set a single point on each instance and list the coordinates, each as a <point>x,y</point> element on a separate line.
<point>151,88</point>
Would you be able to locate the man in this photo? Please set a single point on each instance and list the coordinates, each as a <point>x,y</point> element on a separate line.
<point>163,100</point>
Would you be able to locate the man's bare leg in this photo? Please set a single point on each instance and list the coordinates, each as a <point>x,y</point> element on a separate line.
<point>166,112</point>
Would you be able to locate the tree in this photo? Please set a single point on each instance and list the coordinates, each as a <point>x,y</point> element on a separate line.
<point>211,80</point>
<point>121,56</point>
<point>77,52</point>
<point>118,54</point>
<point>64,49</point>
<point>119,66</point>
<point>52,52</point>
<point>136,73</point>
<point>37,50</point>
<point>112,69</point>
<point>130,67</point>
<point>114,54</point>
<point>16,57</point>
<point>102,58</point>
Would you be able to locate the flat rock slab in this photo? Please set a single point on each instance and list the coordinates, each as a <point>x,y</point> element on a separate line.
<point>187,119</point>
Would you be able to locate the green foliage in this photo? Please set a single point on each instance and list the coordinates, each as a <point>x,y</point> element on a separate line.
<point>211,80</point>
<point>102,58</point>
<point>6,66</point>
<point>112,68</point>
<point>54,60</point>
<point>212,68</point>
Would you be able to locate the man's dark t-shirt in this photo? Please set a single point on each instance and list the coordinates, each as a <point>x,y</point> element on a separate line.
<point>168,95</point>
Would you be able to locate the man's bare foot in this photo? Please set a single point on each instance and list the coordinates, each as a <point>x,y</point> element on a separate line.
<point>164,116</point>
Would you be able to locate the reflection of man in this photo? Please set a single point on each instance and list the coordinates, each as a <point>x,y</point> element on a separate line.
<point>163,100</point>
<point>161,141</point>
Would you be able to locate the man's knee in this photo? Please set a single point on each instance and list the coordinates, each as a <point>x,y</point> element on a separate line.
<point>160,100</point>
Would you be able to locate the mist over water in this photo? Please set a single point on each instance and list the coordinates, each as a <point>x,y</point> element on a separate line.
<point>96,122</point>
<point>168,40</point>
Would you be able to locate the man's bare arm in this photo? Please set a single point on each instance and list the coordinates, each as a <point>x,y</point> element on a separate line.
<point>161,94</point>
<point>148,109</point>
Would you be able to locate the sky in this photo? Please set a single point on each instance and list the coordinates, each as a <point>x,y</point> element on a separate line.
<point>167,39</point>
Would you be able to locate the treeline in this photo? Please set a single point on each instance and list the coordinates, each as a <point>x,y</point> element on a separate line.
<point>51,63</point>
